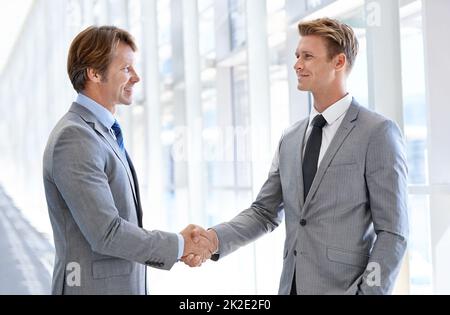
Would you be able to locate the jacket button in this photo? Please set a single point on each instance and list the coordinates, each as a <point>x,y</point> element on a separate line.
<point>303,222</point>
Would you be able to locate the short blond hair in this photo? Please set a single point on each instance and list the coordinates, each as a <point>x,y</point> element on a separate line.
<point>339,37</point>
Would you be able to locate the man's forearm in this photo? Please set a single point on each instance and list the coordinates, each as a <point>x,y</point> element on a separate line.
<point>384,264</point>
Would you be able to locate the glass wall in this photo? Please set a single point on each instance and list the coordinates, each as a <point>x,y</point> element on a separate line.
<point>415,117</point>
<point>226,182</point>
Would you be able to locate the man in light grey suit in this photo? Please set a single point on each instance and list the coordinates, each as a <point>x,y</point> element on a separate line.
<point>341,178</point>
<point>91,185</point>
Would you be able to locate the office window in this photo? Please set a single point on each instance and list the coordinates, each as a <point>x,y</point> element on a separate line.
<point>241,123</point>
<point>207,28</point>
<point>413,76</point>
<point>74,15</point>
<point>135,29</point>
<point>237,23</point>
<point>278,69</point>
<point>358,80</point>
<point>415,113</point>
<point>420,266</point>
<point>164,40</point>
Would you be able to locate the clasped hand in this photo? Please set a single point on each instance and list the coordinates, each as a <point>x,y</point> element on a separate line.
<point>199,245</point>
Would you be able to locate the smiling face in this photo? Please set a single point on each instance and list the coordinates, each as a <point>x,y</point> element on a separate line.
<point>116,87</point>
<point>316,71</point>
<point>100,65</point>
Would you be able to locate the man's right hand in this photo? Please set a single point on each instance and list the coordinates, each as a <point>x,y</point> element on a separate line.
<point>199,245</point>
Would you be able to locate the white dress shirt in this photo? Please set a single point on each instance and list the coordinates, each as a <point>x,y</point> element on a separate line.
<point>334,115</point>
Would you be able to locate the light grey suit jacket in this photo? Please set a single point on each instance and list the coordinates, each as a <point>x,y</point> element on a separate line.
<point>355,218</point>
<point>93,202</point>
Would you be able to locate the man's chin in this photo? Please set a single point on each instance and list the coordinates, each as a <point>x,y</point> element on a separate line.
<point>302,88</point>
<point>127,102</point>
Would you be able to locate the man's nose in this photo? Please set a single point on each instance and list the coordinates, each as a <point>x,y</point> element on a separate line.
<point>298,65</point>
<point>135,78</point>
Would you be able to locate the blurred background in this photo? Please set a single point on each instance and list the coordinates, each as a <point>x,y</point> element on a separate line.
<point>218,88</point>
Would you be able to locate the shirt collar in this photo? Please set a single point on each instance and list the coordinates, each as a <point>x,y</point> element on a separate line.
<point>102,114</point>
<point>335,111</point>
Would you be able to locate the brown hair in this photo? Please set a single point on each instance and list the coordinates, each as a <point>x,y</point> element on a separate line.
<point>94,48</point>
<point>339,37</point>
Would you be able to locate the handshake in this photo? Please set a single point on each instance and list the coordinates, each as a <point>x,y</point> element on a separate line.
<point>199,245</point>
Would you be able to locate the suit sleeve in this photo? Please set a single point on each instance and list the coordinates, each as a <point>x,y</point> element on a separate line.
<point>78,172</point>
<point>264,215</point>
<point>386,178</point>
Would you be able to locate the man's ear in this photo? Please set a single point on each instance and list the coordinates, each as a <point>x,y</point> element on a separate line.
<point>93,75</point>
<point>340,62</point>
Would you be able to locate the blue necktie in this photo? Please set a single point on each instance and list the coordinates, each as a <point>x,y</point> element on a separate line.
<point>119,138</point>
<point>118,133</point>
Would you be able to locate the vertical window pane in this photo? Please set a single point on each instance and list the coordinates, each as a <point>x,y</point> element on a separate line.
<point>237,23</point>
<point>279,87</point>
<point>413,74</point>
<point>420,264</point>
<point>358,80</point>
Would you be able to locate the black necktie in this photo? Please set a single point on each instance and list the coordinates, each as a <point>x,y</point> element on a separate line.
<point>312,151</point>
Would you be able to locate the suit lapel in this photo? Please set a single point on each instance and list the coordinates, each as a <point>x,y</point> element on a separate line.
<point>113,144</point>
<point>299,159</point>
<point>101,130</point>
<point>344,130</point>
<point>136,185</point>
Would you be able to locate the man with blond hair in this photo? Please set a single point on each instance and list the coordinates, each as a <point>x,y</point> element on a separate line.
<point>91,185</point>
<point>341,177</point>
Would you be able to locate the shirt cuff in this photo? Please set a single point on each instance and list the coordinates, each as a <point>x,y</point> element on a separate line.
<point>180,246</point>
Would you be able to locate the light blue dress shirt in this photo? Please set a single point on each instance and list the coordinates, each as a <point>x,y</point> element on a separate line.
<point>107,119</point>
